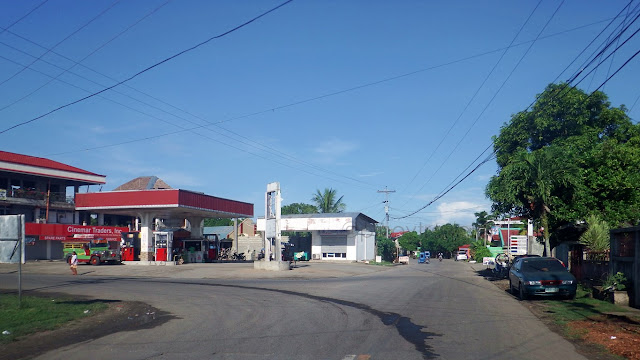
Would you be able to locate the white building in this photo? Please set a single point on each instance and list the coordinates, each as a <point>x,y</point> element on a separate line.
<point>339,236</point>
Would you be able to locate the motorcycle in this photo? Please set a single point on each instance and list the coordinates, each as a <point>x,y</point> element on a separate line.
<point>439,257</point>
<point>237,256</point>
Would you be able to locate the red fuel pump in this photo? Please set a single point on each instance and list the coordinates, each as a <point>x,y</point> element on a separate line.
<point>130,239</point>
<point>162,243</point>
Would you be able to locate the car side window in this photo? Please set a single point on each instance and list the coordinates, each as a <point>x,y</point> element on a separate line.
<point>518,264</point>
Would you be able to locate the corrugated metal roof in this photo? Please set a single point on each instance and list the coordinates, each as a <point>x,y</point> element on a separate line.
<point>41,162</point>
<point>144,183</point>
<point>223,231</point>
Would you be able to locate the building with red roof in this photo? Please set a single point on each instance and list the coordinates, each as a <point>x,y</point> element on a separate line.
<point>47,193</point>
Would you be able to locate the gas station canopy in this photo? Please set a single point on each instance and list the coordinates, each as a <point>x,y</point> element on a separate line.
<point>163,203</point>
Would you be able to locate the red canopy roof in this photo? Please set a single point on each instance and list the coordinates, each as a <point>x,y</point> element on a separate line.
<point>40,162</point>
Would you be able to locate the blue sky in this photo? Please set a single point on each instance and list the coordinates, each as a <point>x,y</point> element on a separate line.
<point>350,95</point>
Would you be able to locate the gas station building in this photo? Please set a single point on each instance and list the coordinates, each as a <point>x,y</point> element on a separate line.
<point>156,210</point>
<point>48,193</point>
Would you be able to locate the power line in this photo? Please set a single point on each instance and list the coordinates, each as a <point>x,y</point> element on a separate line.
<point>64,71</point>
<point>474,95</point>
<point>493,153</point>
<point>23,16</point>
<point>149,68</point>
<point>250,143</point>
<point>63,40</point>
<point>295,103</point>
<point>491,100</point>
<point>444,192</point>
<point>612,75</point>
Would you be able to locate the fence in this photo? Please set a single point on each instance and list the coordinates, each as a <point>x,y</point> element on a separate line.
<point>625,258</point>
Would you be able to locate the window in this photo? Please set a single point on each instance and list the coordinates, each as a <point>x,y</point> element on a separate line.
<point>29,185</point>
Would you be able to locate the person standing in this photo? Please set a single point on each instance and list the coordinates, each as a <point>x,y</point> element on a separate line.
<point>73,263</point>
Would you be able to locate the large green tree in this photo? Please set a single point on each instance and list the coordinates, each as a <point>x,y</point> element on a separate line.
<point>445,238</point>
<point>570,155</point>
<point>218,222</point>
<point>327,201</point>
<point>409,241</point>
<point>530,184</point>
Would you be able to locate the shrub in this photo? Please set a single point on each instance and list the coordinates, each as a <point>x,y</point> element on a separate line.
<point>386,249</point>
<point>616,282</point>
<point>479,251</point>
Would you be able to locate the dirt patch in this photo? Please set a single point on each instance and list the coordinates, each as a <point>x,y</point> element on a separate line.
<point>119,316</point>
<point>592,338</point>
<point>618,336</point>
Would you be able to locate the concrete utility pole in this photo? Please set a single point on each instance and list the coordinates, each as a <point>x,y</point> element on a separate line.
<point>386,205</point>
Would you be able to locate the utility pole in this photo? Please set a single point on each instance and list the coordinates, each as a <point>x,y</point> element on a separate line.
<point>386,205</point>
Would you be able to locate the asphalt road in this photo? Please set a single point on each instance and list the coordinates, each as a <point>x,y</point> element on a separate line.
<point>441,310</point>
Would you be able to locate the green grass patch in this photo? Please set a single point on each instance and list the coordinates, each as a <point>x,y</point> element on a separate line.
<point>41,313</point>
<point>582,308</point>
<point>382,263</point>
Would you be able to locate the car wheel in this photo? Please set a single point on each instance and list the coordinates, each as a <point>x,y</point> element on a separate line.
<point>521,294</point>
<point>94,260</point>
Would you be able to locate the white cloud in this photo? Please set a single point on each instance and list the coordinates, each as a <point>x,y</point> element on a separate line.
<point>333,149</point>
<point>371,174</point>
<point>459,212</point>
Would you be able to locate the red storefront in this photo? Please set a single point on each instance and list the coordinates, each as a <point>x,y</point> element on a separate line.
<point>62,232</point>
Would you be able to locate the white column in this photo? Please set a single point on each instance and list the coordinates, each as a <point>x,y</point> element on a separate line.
<point>100,219</point>
<point>197,224</point>
<point>146,236</point>
<point>236,238</point>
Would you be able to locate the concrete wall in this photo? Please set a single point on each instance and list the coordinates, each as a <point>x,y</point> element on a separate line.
<point>251,246</point>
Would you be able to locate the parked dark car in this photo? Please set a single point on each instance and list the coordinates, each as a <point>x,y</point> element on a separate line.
<point>541,276</point>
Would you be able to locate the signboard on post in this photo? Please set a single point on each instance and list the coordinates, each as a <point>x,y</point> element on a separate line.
<point>518,245</point>
<point>12,238</point>
<point>12,244</point>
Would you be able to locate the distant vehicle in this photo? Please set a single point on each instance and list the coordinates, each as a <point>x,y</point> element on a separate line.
<point>424,258</point>
<point>462,255</point>
<point>93,252</point>
<point>541,276</point>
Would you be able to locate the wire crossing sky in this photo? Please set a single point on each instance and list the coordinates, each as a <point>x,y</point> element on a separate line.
<point>349,95</point>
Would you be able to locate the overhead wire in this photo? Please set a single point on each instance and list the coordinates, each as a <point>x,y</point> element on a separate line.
<point>493,153</point>
<point>491,100</point>
<point>84,58</point>
<point>455,122</point>
<point>23,17</point>
<point>82,27</point>
<point>171,133</point>
<point>148,68</point>
<point>262,146</point>
<point>328,94</point>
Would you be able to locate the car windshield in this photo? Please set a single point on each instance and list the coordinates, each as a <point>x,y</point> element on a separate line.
<point>542,265</point>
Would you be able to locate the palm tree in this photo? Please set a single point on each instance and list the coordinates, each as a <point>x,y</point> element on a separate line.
<point>326,201</point>
<point>483,221</point>
<point>596,237</point>
<point>544,171</point>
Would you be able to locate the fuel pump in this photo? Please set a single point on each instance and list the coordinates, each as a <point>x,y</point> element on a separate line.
<point>130,246</point>
<point>162,242</point>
